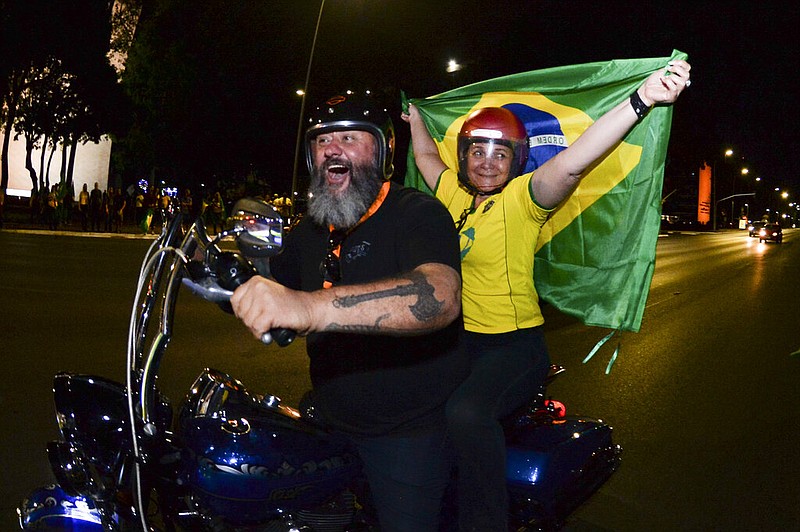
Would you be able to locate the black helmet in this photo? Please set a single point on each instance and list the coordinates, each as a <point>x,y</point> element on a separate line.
<point>351,111</point>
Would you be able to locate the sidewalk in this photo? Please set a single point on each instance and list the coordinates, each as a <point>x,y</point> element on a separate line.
<point>17,220</point>
<point>15,228</point>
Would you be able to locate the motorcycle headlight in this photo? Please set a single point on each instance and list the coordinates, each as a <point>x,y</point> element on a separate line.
<point>72,470</point>
<point>92,416</point>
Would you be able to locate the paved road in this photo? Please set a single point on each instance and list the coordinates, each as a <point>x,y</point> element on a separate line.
<point>703,399</point>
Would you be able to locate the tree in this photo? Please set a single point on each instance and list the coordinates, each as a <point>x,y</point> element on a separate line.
<point>33,118</point>
<point>35,35</point>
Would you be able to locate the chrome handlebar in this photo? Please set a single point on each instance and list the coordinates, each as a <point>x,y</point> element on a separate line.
<point>194,259</point>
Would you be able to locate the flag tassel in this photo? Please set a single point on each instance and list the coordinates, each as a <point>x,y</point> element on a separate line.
<point>600,344</point>
<point>597,346</point>
<point>613,358</point>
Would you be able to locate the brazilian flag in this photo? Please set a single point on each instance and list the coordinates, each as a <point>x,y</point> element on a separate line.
<point>596,254</point>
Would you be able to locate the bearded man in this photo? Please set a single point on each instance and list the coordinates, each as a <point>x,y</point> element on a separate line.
<point>371,275</point>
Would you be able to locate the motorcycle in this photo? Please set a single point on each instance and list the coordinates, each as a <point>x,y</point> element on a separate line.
<point>236,460</point>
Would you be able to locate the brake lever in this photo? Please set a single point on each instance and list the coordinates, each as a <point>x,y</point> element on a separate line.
<point>200,282</point>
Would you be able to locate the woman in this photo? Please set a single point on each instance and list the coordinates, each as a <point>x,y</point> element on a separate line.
<point>499,218</point>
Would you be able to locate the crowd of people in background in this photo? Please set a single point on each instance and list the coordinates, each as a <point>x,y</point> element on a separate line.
<point>131,210</point>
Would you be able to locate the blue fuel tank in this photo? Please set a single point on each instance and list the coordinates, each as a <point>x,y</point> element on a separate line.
<point>248,458</point>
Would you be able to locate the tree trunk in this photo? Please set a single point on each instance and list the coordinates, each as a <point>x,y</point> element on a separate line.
<point>41,160</point>
<point>71,168</point>
<point>49,162</point>
<point>62,174</point>
<point>11,101</point>
<point>15,83</point>
<point>29,145</point>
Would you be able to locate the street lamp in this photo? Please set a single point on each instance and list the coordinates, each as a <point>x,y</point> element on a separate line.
<point>785,196</point>
<point>728,152</point>
<point>744,172</point>
<point>778,207</point>
<point>302,93</point>
<point>453,66</point>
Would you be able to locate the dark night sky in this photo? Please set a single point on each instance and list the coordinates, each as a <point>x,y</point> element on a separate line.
<point>743,57</point>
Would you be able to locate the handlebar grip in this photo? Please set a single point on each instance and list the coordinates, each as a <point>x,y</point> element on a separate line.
<point>233,270</point>
<point>280,336</point>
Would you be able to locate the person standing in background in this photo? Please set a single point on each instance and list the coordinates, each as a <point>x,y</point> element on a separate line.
<point>96,207</point>
<point>83,207</point>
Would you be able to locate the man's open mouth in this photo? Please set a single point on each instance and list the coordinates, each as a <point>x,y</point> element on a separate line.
<point>338,168</point>
<point>337,173</point>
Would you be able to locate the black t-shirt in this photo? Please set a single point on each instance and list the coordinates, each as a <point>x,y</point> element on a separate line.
<point>380,384</point>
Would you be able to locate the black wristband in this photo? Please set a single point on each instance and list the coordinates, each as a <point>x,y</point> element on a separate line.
<point>638,105</point>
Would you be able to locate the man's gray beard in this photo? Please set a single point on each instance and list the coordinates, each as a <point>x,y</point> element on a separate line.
<point>344,210</point>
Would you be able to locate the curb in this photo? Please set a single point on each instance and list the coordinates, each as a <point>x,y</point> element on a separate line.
<point>90,234</point>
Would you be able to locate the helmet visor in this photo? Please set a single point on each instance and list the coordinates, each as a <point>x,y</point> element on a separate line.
<point>490,151</point>
<point>488,163</point>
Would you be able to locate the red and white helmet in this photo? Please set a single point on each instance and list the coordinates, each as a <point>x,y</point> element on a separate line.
<point>492,125</point>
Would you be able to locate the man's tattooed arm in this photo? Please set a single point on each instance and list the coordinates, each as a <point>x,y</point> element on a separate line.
<point>424,300</point>
<point>407,306</point>
<point>425,308</point>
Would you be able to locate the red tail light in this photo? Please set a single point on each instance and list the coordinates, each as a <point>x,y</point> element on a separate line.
<point>555,408</point>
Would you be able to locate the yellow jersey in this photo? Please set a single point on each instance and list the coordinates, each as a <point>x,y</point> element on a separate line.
<point>497,241</point>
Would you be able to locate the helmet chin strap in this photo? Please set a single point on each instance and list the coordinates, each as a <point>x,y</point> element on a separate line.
<point>475,191</point>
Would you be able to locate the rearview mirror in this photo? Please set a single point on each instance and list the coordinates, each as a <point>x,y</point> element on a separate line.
<point>259,228</point>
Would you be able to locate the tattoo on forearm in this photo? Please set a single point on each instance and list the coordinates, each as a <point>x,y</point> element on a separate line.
<point>426,307</point>
<point>376,328</point>
<point>358,328</point>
